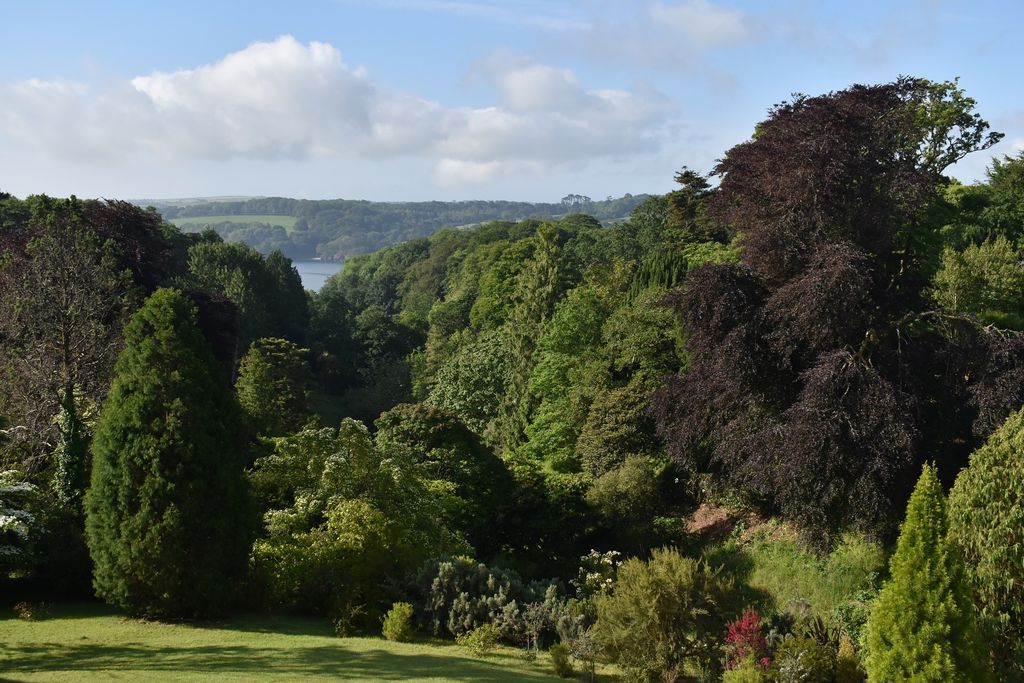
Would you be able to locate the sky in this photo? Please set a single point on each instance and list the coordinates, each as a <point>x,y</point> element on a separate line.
<point>411,100</point>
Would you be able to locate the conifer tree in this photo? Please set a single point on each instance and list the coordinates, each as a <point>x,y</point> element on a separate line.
<point>275,386</point>
<point>922,627</point>
<point>166,513</point>
<point>986,519</point>
<point>537,290</point>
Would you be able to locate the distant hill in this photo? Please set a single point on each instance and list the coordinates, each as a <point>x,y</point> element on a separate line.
<point>336,229</point>
<point>190,201</point>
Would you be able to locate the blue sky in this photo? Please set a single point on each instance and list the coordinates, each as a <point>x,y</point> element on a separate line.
<point>450,99</point>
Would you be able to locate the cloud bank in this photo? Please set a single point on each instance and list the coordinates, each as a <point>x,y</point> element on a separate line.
<point>288,100</point>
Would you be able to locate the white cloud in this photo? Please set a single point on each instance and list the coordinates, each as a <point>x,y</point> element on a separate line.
<point>286,100</point>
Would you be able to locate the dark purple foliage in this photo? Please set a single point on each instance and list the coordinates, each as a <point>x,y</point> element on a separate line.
<point>818,383</point>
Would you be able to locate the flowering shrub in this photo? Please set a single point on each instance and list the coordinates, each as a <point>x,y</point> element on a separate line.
<point>597,573</point>
<point>17,522</point>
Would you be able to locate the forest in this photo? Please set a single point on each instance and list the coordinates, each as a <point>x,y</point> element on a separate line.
<point>767,428</point>
<point>337,229</point>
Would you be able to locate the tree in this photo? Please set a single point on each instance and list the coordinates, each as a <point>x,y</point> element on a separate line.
<point>688,218</point>
<point>1004,214</point>
<point>167,518</point>
<point>538,287</point>
<point>452,458</point>
<point>343,522</point>
<point>818,380</point>
<point>627,498</point>
<point>986,280</point>
<point>922,626</point>
<point>569,340</point>
<point>275,386</point>
<point>62,304</point>
<point>663,615</point>
<point>289,306</point>
<point>473,383</point>
<point>986,517</point>
<point>234,272</point>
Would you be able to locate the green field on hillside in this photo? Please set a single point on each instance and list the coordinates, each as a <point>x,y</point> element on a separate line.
<point>90,642</point>
<point>287,222</point>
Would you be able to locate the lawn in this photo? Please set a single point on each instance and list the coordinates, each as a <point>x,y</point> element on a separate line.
<point>89,642</point>
<point>287,222</point>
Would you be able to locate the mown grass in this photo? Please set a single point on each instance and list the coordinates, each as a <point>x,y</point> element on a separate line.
<point>784,576</point>
<point>89,642</point>
<point>287,222</point>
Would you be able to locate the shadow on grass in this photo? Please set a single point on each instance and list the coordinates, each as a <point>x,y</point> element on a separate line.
<point>737,564</point>
<point>335,661</point>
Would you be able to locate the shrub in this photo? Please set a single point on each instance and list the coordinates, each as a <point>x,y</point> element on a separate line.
<point>922,626</point>
<point>20,502</point>
<point>596,573</point>
<point>663,615</point>
<point>802,659</point>
<point>852,616</point>
<point>458,595</point>
<point>560,660</point>
<point>745,640</point>
<point>32,611</point>
<point>481,640</point>
<point>748,671</point>
<point>397,623</point>
<point>848,668</point>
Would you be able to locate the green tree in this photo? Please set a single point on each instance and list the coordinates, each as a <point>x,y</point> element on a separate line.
<point>627,499</point>
<point>537,289</point>
<point>572,336</point>
<point>472,383</point>
<point>664,616</point>
<point>1004,213</point>
<point>289,307</point>
<point>167,518</point>
<point>986,517</point>
<point>275,385</point>
<point>267,291</point>
<point>922,627</point>
<point>986,280</point>
<point>475,484</point>
<point>616,426</point>
<point>343,523</point>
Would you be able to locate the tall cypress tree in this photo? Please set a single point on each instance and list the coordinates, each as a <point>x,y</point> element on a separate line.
<point>167,519</point>
<point>922,627</point>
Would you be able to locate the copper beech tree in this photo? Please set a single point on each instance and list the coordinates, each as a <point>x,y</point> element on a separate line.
<point>820,378</point>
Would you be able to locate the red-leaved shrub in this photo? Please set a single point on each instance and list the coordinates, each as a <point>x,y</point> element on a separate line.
<point>745,639</point>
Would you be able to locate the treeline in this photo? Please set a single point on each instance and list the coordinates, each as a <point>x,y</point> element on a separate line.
<point>336,229</point>
<point>475,428</point>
